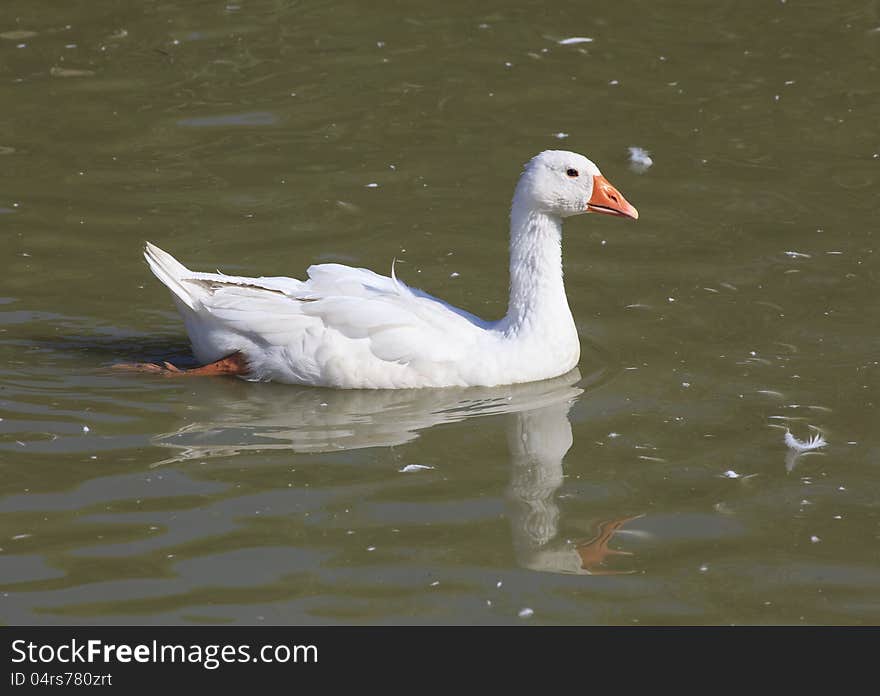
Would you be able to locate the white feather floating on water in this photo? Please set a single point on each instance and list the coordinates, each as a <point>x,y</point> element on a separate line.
<point>731,474</point>
<point>639,159</point>
<point>574,40</point>
<point>409,468</point>
<point>799,446</point>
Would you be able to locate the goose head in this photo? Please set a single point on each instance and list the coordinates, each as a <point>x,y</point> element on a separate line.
<point>561,183</point>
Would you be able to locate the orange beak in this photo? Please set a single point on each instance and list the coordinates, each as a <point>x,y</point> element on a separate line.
<point>607,199</point>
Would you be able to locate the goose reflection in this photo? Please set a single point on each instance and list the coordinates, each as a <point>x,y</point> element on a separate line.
<point>311,420</point>
<point>538,440</point>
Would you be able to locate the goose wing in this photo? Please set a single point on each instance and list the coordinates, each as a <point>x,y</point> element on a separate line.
<point>398,323</point>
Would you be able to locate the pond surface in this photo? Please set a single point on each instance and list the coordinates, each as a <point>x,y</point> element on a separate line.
<point>652,486</point>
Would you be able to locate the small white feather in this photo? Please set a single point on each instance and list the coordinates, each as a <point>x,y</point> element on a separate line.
<point>639,159</point>
<point>813,443</point>
<point>409,468</point>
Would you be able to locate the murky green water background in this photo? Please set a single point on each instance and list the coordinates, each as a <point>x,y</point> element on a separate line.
<point>246,137</point>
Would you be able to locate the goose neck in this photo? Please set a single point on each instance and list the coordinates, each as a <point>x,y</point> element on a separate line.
<point>537,292</point>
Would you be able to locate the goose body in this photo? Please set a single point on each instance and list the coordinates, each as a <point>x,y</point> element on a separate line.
<point>352,328</point>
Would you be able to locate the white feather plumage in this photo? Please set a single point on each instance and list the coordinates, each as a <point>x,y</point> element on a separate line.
<point>352,328</point>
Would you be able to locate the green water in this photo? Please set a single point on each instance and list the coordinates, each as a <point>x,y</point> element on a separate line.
<point>244,136</point>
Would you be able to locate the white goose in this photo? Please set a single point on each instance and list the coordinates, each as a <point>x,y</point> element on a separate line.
<point>351,328</point>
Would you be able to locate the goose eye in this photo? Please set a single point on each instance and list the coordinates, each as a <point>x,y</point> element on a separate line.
<point>572,173</point>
